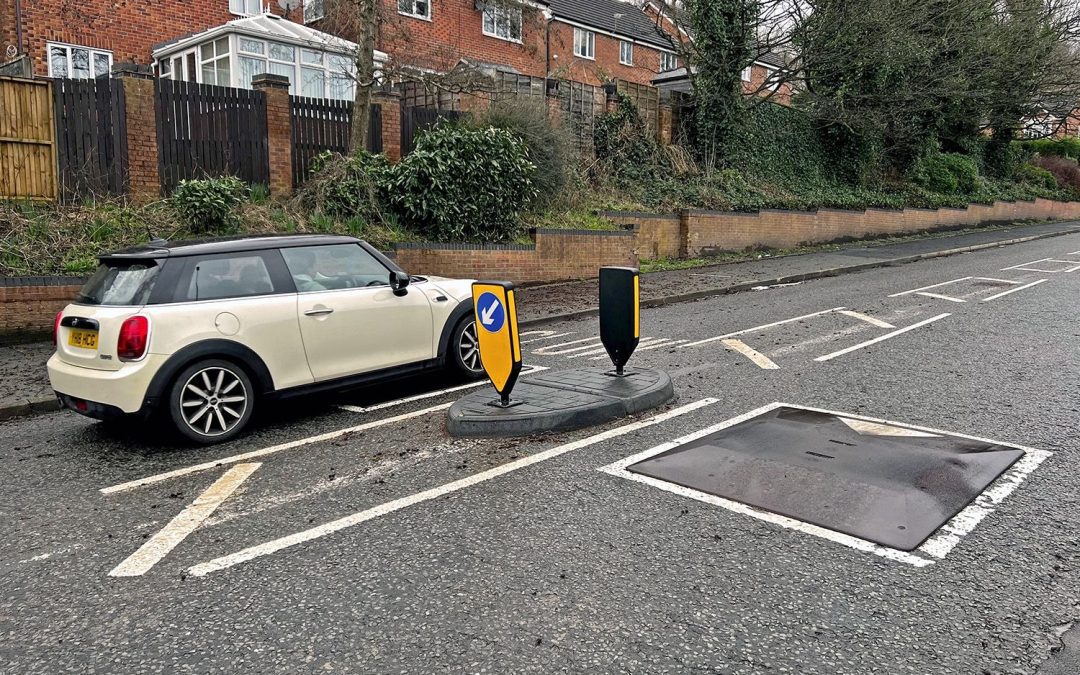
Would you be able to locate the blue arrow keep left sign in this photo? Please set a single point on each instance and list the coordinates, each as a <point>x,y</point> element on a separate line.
<point>491,313</point>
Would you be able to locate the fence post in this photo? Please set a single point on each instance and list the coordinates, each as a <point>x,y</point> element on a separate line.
<point>391,122</point>
<point>279,131</point>
<point>140,120</point>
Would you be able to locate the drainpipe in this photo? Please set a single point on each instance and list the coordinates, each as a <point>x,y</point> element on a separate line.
<point>18,26</point>
<point>548,17</point>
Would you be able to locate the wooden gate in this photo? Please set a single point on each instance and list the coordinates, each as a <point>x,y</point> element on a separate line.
<point>319,125</point>
<point>206,131</point>
<point>91,137</point>
<point>27,140</point>
<point>416,120</point>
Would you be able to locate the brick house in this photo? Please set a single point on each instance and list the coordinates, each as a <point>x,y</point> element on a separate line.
<point>84,39</point>
<point>592,41</point>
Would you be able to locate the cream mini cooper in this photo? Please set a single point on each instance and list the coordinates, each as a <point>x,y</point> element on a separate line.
<point>202,332</point>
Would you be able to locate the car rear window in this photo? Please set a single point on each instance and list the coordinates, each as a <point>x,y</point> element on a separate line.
<point>120,282</point>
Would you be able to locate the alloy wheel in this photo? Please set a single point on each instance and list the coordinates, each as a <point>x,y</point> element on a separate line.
<point>469,348</point>
<point>213,401</point>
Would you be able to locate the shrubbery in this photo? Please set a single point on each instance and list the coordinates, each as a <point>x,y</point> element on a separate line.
<point>346,186</point>
<point>1029,173</point>
<point>209,205</point>
<point>463,184</point>
<point>1056,147</point>
<point>1065,171</point>
<point>946,173</point>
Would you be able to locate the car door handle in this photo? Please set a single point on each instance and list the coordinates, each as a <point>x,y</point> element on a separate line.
<point>319,312</point>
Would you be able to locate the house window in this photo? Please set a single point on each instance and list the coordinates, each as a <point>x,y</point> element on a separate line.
<point>584,43</point>
<point>626,53</point>
<point>245,7</point>
<point>747,73</point>
<point>342,79</point>
<point>421,9</point>
<point>668,62</point>
<point>80,63</point>
<point>314,10</point>
<point>216,66</point>
<point>503,22</point>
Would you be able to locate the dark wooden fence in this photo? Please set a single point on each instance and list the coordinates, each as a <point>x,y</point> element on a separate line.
<point>416,120</point>
<point>91,137</point>
<point>319,125</point>
<point>205,130</point>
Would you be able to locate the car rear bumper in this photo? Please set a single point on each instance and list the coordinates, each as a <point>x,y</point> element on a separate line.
<point>111,392</point>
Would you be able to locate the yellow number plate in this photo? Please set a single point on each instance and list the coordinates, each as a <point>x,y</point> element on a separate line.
<point>84,339</point>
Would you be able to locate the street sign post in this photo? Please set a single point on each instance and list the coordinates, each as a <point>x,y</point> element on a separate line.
<point>497,334</point>
<point>620,322</point>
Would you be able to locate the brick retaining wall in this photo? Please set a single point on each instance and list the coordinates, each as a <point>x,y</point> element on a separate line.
<point>28,305</point>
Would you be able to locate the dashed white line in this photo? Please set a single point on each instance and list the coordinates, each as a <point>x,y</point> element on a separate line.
<point>926,288</point>
<point>304,536</point>
<point>882,338</point>
<point>762,361</point>
<point>941,297</point>
<point>565,348</point>
<point>529,370</point>
<point>645,342</point>
<point>205,466</point>
<point>1014,290</point>
<point>757,328</point>
<point>186,522</point>
<point>551,336</point>
<point>873,321</point>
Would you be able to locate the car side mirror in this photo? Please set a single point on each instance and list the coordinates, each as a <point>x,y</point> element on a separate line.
<point>399,281</point>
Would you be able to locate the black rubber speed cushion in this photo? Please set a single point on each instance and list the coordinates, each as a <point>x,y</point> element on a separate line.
<point>892,490</point>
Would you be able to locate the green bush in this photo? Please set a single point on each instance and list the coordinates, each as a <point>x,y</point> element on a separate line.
<point>346,187</point>
<point>623,142</point>
<point>550,147</point>
<point>1029,173</point>
<point>946,173</point>
<point>463,184</point>
<point>209,205</point>
<point>1054,147</point>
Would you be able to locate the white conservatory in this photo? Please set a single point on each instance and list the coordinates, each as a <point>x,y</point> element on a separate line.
<point>317,64</point>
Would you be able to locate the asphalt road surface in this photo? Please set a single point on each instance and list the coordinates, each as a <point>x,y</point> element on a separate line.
<point>364,539</point>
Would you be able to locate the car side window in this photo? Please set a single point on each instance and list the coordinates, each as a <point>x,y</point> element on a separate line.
<point>228,277</point>
<point>334,267</point>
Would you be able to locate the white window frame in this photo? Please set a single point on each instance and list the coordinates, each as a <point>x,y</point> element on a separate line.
<point>586,40</point>
<point>92,52</point>
<point>623,47</point>
<point>314,10</point>
<point>216,59</point>
<point>245,4</point>
<point>507,15</point>
<point>668,62</point>
<point>772,79</point>
<point>413,13</point>
<point>748,73</point>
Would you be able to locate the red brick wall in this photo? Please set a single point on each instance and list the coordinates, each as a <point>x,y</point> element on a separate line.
<point>758,75</point>
<point>128,28</point>
<point>279,136</point>
<point>606,67</point>
<point>391,124</point>
<point>32,309</point>
<point>557,255</point>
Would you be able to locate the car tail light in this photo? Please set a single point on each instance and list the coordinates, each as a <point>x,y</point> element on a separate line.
<point>56,329</point>
<point>134,334</point>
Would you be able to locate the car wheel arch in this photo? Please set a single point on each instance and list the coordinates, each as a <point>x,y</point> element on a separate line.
<point>226,350</point>
<point>460,313</point>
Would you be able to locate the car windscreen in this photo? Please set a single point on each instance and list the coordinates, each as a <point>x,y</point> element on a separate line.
<point>120,282</point>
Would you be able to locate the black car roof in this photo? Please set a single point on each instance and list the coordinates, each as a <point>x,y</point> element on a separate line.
<point>169,249</point>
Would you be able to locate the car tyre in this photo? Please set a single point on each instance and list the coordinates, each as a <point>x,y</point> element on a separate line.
<point>464,354</point>
<point>211,401</point>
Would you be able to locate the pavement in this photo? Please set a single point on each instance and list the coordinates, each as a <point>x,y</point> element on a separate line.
<point>353,534</point>
<point>25,390</point>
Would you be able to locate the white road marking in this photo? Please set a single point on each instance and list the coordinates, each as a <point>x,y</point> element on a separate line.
<point>549,335</point>
<point>1023,265</point>
<point>565,348</point>
<point>205,466</point>
<point>757,328</point>
<point>645,342</point>
<point>868,319</point>
<point>762,361</point>
<point>304,536</point>
<point>881,338</point>
<point>936,547</point>
<point>1029,267</point>
<point>666,342</point>
<point>941,297</point>
<point>926,288</point>
<point>186,522</point>
<point>1014,290</point>
<point>1000,281</point>
<point>528,370</point>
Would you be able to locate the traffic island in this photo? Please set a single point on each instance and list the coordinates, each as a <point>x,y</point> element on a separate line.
<point>561,400</point>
